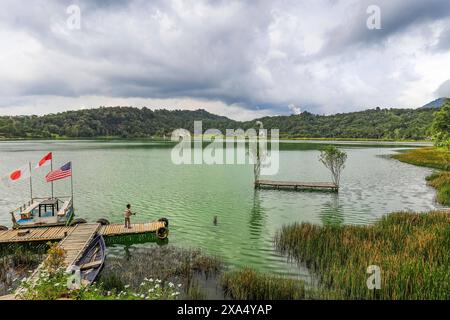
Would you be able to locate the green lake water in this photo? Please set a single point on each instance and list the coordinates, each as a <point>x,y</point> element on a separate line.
<point>108,175</point>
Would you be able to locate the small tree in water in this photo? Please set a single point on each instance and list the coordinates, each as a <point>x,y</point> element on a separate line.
<point>334,159</point>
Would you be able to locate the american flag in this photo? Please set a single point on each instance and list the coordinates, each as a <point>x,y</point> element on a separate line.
<point>63,172</point>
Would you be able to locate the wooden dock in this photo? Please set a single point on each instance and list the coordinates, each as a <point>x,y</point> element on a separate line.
<point>136,228</point>
<point>45,234</point>
<point>77,241</point>
<point>296,185</point>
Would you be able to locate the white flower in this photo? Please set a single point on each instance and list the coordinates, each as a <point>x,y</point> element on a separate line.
<point>126,286</point>
<point>150,280</point>
<point>179,285</point>
<point>151,290</point>
<point>171,284</point>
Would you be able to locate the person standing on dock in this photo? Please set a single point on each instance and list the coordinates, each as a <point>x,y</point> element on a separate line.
<point>128,215</point>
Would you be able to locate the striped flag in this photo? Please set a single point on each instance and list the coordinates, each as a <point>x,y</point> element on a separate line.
<point>61,173</point>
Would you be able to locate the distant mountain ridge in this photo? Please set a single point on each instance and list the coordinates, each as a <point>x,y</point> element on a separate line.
<point>435,104</point>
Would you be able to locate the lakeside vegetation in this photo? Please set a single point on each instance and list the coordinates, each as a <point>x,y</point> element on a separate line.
<point>16,263</point>
<point>247,284</point>
<point>433,157</point>
<point>129,122</point>
<point>160,273</point>
<point>412,250</point>
<point>441,182</point>
<point>437,158</point>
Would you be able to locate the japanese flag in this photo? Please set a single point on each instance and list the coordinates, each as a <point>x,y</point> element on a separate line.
<point>17,175</point>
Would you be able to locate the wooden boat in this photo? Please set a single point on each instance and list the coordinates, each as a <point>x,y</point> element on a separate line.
<point>43,212</point>
<point>92,260</point>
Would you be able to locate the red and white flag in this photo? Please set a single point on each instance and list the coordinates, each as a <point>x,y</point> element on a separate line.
<point>45,161</point>
<point>17,175</point>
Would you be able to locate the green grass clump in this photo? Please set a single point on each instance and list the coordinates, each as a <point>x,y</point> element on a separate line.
<point>441,181</point>
<point>412,251</point>
<point>247,284</point>
<point>437,158</point>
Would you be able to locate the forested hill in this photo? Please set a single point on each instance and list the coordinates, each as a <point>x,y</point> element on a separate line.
<point>124,122</point>
<point>398,124</point>
<point>129,122</point>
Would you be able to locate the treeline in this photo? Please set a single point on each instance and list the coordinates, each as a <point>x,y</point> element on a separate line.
<point>124,122</point>
<point>129,122</point>
<point>396,124</point>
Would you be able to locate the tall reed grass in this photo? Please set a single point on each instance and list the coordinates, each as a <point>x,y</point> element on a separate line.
<point>441,182</point>
<point>412,250</point>
<point>437,158</point>
<point>247,284</point>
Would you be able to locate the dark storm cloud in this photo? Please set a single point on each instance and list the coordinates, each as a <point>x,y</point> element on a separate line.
<point>444,89</point>
<point>444,39</point>
<point>256,54</point>
<point>396,17</point>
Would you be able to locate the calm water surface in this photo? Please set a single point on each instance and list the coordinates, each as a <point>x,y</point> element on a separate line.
<point>107,175</point>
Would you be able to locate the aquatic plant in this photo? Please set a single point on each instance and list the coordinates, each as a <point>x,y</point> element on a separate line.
<point>15,263</point>
<point>437,158</point>
<point>411,249</point>
<point>51,283</point>
<point>441,182</point>
<point>168,263</point>
<point>247,284</point>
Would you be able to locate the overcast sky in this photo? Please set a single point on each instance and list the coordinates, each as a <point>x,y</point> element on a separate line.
<point>242,59</point>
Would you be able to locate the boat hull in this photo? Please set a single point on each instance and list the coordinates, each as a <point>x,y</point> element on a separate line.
<point>92,260</point>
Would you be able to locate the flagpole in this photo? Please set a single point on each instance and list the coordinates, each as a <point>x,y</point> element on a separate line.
<point>31,183</point>
<point>71,180</point>
<point>51,169</point>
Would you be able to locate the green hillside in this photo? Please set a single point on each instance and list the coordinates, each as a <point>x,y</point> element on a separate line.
<point>129,122</point>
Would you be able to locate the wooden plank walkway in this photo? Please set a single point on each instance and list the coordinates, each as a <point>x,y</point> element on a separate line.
<point>34,234</point>
<point>136,228</point>
<point>59,233</point>
<point>77,241</point>
<point>297,185</point>
<point>74,244</point>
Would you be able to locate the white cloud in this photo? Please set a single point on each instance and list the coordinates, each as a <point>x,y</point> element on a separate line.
<point>294,109</point>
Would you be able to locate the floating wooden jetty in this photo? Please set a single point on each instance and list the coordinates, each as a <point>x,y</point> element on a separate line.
<point>296,185</point>
<point>45,234</point>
